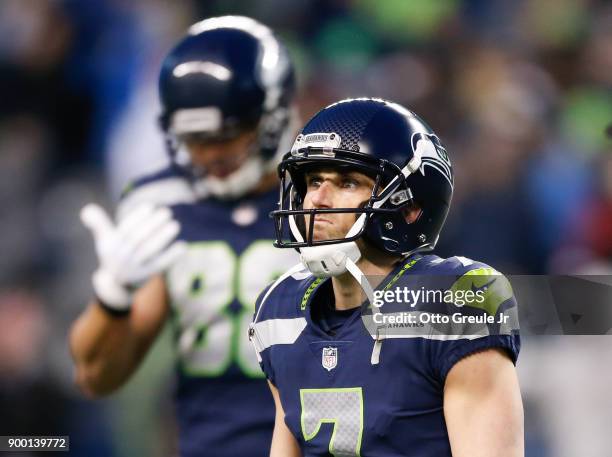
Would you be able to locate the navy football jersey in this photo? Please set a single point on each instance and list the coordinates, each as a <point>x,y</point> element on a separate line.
<point>168,186</point>
<point>348,391</point>
<point>224,406</point>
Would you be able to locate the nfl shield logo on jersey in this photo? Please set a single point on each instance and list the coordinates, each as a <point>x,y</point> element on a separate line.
<point>329,360</point>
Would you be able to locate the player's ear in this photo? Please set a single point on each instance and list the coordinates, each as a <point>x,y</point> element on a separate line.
<point>411,212</point>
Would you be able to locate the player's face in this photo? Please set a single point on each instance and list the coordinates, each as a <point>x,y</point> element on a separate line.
<point>329,188</point>
<point>220,158</point>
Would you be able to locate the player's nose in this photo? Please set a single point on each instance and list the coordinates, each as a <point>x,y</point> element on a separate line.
<point>322,196</point>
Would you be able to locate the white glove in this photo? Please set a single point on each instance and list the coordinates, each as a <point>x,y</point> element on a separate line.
<point>132,251</point>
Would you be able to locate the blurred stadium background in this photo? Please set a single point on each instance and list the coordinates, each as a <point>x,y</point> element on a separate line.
<point>519,90</point>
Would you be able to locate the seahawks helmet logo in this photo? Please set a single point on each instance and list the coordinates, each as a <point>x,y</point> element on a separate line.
<point>428,149</point>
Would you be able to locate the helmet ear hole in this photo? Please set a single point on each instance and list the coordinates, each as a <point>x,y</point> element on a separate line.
<point>411,212</point>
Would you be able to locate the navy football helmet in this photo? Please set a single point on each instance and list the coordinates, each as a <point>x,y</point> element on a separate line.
<point>391,144</point>
<point>228,75</point>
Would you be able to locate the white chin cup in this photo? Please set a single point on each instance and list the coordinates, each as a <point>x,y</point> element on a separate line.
<point>329,260</point>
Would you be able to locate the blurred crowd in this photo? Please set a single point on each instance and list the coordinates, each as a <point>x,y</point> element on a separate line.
<point>519,91</point>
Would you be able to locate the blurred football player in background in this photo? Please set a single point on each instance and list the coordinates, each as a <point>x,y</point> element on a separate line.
<point>226,90</point>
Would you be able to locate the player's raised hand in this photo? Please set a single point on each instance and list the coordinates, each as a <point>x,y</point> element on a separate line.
<point>139,246</point>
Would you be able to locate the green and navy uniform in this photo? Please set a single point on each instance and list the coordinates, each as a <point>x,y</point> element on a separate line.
<point>344,396</point>
<point>223,404</point>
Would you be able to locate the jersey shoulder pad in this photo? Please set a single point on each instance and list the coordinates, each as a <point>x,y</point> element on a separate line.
<point>169,186</point>
<point>477,277</point>
<point>456,265</point>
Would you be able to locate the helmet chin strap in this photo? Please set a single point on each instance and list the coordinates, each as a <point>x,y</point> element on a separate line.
<point>336,259</point>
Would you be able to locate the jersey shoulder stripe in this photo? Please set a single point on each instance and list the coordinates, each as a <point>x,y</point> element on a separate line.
<point>279,318</point>
<point>168,186</point>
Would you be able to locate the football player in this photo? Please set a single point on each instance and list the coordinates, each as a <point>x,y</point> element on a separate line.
<point>365,192</point>
<point>226,91</point>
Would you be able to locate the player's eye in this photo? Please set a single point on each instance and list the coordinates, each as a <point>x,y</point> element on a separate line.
<point>349,183</point>
<point>313,180</point>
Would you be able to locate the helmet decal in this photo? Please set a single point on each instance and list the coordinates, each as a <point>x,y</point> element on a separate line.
<point>213,69</point>
<point>273,62</point>
<point>429,150</point>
